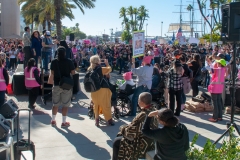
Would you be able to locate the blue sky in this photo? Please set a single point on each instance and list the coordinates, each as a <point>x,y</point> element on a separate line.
<point>106,15</point>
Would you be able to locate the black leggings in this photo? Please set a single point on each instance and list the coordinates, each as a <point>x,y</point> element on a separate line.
<point>116,146</point>
<point>32,95</point>
<point>195,89</point>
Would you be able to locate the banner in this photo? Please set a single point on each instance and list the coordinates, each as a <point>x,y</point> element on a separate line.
<point>193,40</point>
<point>138,41</point>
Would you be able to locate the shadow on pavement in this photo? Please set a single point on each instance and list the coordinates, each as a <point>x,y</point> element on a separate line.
<point>84,146</point>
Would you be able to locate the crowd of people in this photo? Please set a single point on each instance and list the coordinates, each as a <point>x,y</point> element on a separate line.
<point>169,69</point>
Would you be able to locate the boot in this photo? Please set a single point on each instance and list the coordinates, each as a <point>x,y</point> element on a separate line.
<point>97,122</point>
<point>110,122</point>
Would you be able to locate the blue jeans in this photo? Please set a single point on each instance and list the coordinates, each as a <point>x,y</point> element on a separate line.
<point>45,60</point>
<point>183,97</point>
<point>2,97</point>
<point>136,94</point>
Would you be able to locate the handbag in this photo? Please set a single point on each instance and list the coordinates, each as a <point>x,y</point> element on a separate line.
<point>66,83</point>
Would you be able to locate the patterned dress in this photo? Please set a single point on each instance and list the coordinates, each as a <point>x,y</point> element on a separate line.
<point>134,144</point>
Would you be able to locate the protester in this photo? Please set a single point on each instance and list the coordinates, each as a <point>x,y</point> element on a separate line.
<point>102,97</point>
<point>27,44</point>
<point>175,86</point>
<point>46,50</point>
<point>4,80</point>
<point>131,143</point>
<point>61,67</point>
<point>13,59</point>
<point>144,80</point>
<point>36,46</point>
<point>32,82</point>
<point>195,65</point>
<point>155,78</point>
<point>216,88</point>
<point>172,140</point>
<point>69,53</point>
<point>128,80</point>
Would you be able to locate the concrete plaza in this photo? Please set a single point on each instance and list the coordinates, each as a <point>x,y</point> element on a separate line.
<point>83,140</point>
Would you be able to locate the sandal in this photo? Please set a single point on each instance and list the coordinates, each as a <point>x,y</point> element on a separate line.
<point>213,120</point>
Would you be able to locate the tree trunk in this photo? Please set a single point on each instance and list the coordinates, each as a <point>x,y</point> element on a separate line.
<point>201,11</point>
<point>58,18</point>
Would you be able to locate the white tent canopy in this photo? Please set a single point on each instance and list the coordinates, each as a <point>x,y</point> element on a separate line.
<point>175,27</point>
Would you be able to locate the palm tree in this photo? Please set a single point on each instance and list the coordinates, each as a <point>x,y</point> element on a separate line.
<point>44,10</point>
<point>142,16</point>
<point>123,14</point>
<point>81,5</point>
<point>135,12</point>
<point>190,8</point>
<point>130,13</point>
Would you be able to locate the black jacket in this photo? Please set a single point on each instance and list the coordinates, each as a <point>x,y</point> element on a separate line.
<point>103,79</point>
<point>171,142</point>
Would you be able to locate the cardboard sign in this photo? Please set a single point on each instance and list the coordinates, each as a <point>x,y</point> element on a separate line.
<point>193,40</point>
<point>138,43</point>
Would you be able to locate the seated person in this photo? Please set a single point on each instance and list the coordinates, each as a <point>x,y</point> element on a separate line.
<point>131,143</point>
<point>155,78</point>
<point>128,80</point>
<point>172,139</point>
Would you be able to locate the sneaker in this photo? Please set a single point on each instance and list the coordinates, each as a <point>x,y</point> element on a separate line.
<point>43,101</point>
<point>66,124</point>
<point>53,123</point>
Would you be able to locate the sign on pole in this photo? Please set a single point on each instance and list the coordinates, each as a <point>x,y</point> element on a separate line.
<point>138,40</point>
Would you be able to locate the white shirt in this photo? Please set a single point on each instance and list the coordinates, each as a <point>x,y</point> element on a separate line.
<point>12,54</point>
<point>123,86</point>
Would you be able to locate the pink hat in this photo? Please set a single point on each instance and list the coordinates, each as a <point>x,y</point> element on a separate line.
<point>147,59</point>
<point>127,76</point>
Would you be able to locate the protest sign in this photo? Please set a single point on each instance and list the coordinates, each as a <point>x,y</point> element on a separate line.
<point>138,41</point>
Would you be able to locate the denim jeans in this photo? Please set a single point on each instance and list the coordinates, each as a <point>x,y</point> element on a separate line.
<point>2,97</point>
<point>136,94</point>
<point>217,105</point>
<point>45,60</point>
<point>183,97</point>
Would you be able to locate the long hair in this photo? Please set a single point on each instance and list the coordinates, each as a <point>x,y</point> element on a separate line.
<point>30,64</point>
<point>64,44</point>
<point>177,68</point>
<point>1,62</point>
<point>94,61</point>
<point>196,58</point>
<point>32,36</point>
<point>61,53</point>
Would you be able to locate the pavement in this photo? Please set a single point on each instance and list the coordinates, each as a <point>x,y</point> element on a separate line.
<point>83,140</point>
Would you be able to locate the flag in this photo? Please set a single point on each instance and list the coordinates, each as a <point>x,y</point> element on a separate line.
<point>179,33</point>
<point>173,37</point>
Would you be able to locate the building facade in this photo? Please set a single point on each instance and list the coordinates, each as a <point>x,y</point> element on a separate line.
<point>9,18</point>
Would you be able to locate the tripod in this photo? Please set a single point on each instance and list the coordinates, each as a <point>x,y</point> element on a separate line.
<point>232,91</point>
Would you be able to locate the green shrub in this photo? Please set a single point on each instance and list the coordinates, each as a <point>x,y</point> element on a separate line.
<point>229,150</point>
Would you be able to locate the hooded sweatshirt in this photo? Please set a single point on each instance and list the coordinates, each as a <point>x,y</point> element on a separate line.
<point>172,142</point>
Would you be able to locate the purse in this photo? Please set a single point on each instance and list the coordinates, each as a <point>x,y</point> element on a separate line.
<point>66,83</point>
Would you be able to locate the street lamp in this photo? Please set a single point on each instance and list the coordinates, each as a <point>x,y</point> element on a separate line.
<point>161,27</point>
<point>146,30</point>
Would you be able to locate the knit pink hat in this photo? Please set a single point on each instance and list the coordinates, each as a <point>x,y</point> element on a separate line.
<point>147,59</point>
<point>127,76</point>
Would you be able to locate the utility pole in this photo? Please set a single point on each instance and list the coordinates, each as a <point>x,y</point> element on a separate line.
<point>161,28</point>
<point>146,30</point>
<point>211,30</point>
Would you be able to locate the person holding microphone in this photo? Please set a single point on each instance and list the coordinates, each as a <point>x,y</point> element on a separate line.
<point>32,82</point>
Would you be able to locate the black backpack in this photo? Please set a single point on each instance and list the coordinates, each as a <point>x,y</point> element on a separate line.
<point>92,82</point>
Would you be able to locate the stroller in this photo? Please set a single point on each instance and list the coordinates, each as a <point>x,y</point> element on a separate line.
<point>115,110</point>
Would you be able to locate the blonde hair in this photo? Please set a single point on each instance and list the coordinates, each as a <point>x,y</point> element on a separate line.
<point>94,60</point>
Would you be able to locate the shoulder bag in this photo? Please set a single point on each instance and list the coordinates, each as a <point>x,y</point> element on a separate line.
<point>66,83</point>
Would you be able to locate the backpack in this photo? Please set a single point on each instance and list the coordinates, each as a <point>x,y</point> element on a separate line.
<point>92,82</point>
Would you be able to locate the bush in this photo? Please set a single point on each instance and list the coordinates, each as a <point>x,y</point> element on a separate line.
<point>229,150</point>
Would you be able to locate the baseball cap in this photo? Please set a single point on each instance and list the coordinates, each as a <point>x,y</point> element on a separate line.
<point>220,55</point>
<point>48,33</point>
<point>222,62</point>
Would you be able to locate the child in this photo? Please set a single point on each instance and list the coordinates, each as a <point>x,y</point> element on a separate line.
<point>128,80</point>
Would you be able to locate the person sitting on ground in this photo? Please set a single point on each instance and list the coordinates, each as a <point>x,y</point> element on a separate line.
<point>128,80</point>
<point>130,143</point>
<point>172,139</point>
